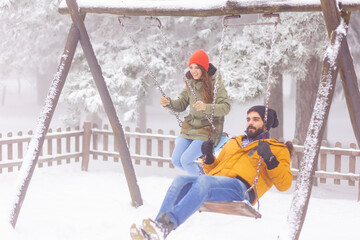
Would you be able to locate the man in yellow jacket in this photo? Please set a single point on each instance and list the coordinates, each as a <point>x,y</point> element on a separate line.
<point>228,176</point>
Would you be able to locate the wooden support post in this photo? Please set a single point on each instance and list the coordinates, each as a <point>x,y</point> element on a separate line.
<point>38,138</point>
<point>347,71</point>
<point>119,136</point>
<point>317,125</point>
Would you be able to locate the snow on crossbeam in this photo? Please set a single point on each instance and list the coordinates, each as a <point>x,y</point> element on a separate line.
<point>199,8</point>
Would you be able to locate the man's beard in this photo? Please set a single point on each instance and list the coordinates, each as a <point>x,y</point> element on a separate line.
<point>254,134</point>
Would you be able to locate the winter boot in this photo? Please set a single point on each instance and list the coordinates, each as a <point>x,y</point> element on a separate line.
<point>157,230</point>
<point>137,233</point>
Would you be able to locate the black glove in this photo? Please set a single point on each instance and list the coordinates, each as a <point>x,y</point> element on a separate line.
<point>264,151</point>
<point>207,150</point>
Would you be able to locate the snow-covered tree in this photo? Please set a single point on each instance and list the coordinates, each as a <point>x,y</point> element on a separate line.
<point>299,38</point>
<point>165,52</point>
<point>32,39</point>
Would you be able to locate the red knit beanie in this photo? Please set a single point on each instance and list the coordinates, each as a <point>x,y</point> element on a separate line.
<point>201,58</point>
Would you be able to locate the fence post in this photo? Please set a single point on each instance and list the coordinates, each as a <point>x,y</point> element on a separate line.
<point>0,153</point>
<point>160,148</point>
<point>295,158</point>
<point>86,146</point>
<point>68,144</point>
<point>171,146</point>
<point>352,160</point>
<point>77,144</point>
<point>105,142</point>
<point>337,166</point>
<point>58,146</point>
<point>50,148</point>
<point>137,145</point>
<point>323,160</point>
<point>95,138</point>
<point>127,129</point>
<point>10,151</point>
<point>148,146</point>
<point>358,191</point>
<point>20,148</point>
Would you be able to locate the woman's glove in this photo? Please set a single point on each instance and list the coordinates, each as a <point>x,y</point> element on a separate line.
<point>207,150</point>
<point>264,151</point>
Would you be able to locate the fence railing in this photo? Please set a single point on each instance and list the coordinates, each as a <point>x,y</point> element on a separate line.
<point>59,147</point>
<point>93,143</point>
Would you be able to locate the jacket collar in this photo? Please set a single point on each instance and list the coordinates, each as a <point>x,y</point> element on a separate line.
<point>246,140</point>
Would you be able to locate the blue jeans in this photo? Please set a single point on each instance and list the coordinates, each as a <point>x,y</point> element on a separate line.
<point>185,153</point>
<point>188,193</point>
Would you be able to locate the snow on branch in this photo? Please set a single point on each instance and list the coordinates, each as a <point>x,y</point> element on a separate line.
<point>200,8</point>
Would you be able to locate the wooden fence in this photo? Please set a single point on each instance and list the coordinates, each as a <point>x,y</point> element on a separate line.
<point>93,143</point>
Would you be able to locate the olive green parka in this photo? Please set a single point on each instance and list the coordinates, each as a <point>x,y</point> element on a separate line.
<point>196,125</point>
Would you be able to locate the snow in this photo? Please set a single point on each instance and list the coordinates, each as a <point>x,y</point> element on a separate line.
<point>189,4</point>
<point>66,203</point>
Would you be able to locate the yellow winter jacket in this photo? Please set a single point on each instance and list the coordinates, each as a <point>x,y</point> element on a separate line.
<point>241,162</point>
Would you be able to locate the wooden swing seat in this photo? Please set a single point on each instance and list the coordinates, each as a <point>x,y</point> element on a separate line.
<point>232,208</point>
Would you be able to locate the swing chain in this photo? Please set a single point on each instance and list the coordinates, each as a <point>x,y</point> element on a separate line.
<point>216,85</point>
<point>148,68</point>
<point>270,71</point>
<point>269,76</point>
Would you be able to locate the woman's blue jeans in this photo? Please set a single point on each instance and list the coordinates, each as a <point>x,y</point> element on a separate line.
<point>185,153</point>
<point>188,193</point>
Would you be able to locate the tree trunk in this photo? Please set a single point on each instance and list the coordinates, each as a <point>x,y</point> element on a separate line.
<point>305,98</point>
<point>42,87</point>
<point>141,122</point>
<point>276,103</point>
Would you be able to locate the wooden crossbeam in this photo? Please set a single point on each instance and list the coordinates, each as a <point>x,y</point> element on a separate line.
<point>200,8</point>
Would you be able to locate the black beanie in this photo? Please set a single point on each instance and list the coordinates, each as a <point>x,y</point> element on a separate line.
<point>272,121</point>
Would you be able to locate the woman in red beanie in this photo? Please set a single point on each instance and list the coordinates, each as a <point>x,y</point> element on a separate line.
<point>196,128</point>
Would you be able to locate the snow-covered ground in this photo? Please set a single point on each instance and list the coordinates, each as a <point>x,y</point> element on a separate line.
<point>66,203</point>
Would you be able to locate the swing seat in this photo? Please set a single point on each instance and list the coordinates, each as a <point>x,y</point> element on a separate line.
<point>242,208</point>
<point>223,140</point>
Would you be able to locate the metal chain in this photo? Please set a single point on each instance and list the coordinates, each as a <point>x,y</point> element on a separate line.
<point>268,93</point>
<point>149,70</point>
<point>216,85</point>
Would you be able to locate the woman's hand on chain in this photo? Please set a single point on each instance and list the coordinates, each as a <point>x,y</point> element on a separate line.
<point>199,106</point>
<point>164,101</point>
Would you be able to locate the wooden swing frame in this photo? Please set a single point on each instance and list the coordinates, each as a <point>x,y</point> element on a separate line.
<point>333,16</point>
